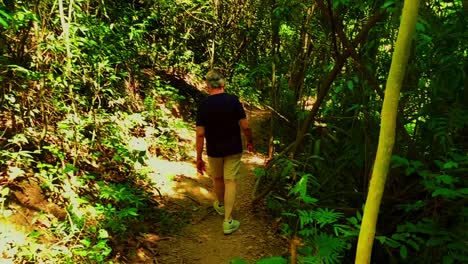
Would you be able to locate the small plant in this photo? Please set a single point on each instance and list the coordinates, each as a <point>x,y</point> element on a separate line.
<point>4,212</point>
<point>94,248</point>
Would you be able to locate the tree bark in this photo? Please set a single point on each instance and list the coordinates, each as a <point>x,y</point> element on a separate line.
<point>387,131</point>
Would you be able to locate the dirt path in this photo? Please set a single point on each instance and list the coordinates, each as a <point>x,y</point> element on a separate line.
<point>202,240</point>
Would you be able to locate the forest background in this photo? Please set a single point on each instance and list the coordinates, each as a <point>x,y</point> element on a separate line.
<point>89,88</point>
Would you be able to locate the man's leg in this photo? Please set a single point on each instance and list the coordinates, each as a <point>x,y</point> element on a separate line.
<point>229,198</point>
<point>231,171</point>
<point>218,184</point>
<point>217,172</point>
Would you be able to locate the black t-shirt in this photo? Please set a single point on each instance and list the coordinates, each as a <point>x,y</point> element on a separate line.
<point>220,115</point>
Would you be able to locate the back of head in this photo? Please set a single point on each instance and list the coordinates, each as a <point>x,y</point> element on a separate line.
<point>214,79</point>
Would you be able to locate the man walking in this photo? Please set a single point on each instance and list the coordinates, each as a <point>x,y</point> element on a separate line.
<point>220,118</point>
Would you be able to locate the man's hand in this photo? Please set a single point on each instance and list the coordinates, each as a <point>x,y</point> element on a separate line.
<point>201,166</point>
<point>250,147</point>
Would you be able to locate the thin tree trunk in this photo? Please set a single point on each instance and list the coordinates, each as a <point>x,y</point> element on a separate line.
<point>299,67</point>
<point>361,67</point>
<point>387,131</point>
<point>325,85</point>
<point>275,43</point>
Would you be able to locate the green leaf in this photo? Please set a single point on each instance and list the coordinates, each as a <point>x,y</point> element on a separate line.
<point>403,252</point>
<point>259,172</point>
<point>388,4</point>
<point>273,260</point>
<point>447,179</point>
<point>301,187</point>
<point>398,161</point>
<point>353,220</point>
<point>359,215</point>
<point>238,261</point>
<point>5,14</point>
<point>34,234</point>
<point>289,214</point>
<point>69,167</point>
<point>309,200</point>
<point>447,193</point>
<point>381,239</point>
<point>14,172</point>
<point>388,241</point>
<point>350,85</point>
<point>307,232</point>
<point>324,216</point>
<point>310,260</point>
<point>3,23</point>
<point>103,234</point>
<point>117,158</point>
<point>4,191</point>
<point>86,242</point>
<point>330,248</point>
<point>449,165</point>
<point>413,244</point>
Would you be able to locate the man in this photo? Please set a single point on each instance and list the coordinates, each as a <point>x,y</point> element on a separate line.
<point>219,120</point>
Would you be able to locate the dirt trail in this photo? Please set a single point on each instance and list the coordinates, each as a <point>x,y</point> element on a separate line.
<point>202,241</point>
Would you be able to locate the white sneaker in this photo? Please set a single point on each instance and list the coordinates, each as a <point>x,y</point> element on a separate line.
<point>230,226</point>
<point>218,208</point>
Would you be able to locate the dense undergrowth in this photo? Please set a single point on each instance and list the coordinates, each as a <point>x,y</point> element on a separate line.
<point>94,168</point>
<point>80,121</point>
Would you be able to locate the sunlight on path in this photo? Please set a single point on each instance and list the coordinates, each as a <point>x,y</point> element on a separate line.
<point>165,175</point>
<point>203,241</point>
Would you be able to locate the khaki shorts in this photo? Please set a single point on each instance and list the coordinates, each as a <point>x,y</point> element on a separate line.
<point>225,167</point>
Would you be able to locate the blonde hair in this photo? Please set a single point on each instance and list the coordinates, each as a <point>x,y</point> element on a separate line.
<point>215,79</point>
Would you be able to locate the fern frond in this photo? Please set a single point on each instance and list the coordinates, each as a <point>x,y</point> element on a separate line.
<point>305,218</point>
<point>310,260</point>
<point>324,216</point>
<point>306,232</point>
<point>273,260</point>
<point>330,248</point>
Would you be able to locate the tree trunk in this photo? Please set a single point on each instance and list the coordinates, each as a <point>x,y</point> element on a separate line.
<point>326,83</point>
<point>275,43</point>
<point>298,69</point>
<point>387,131</point>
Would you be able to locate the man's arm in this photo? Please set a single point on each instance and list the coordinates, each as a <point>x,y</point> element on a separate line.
<point>244,124</point>
<point>200,140</point>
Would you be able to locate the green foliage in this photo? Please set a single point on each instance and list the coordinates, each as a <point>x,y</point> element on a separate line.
<point>444,182</point>
<point>4,17</point>
<point>323,230</point>
<point>96,248</point>
<point>272,260</point>
<point>238,261</point>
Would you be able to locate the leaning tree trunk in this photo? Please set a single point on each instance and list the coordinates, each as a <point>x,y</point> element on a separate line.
<point>387,130</point>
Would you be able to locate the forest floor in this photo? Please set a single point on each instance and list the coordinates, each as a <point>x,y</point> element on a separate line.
<point>202,239</point>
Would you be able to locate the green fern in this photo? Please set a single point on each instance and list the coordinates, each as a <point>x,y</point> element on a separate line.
<point>330,248</point>
<point>310,260</point>
<point>273,260</point>
<point>301,190</point>
<point>324,216</point>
